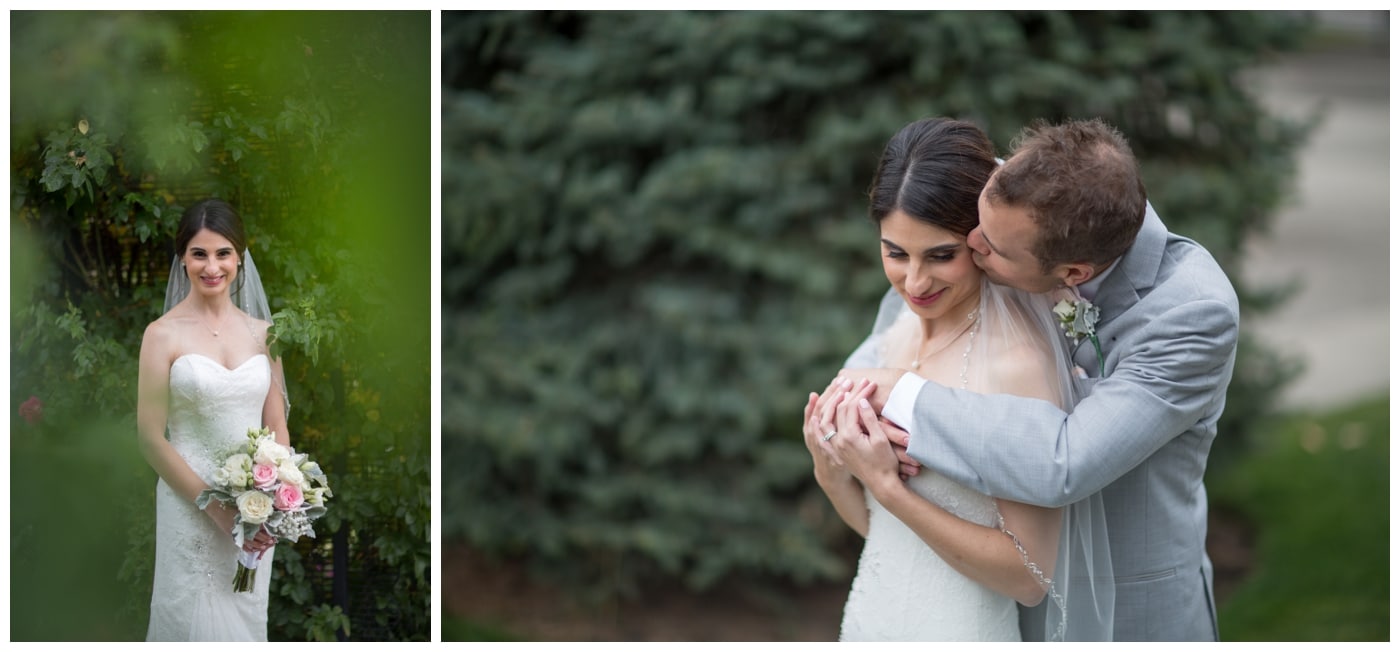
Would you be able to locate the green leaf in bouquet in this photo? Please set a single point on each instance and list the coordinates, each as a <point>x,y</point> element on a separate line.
<point>207,495</point>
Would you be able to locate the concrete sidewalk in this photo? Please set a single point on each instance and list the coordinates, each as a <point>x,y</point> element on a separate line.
<point>1333,238</point>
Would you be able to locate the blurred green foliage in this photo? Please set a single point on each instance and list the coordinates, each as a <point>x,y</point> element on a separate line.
<point>315,126</point>
<point>655,244</point>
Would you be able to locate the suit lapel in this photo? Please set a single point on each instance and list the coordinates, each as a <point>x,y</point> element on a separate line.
<point>1135,273</point>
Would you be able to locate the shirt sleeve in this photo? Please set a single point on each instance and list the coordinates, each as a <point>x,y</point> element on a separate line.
<point>899,409</point>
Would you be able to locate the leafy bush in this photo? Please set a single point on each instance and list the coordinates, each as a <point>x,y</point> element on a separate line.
<point>312,125</point>
<point>654,245</point>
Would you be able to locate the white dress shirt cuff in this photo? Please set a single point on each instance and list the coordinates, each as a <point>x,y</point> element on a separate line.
<point>900,406</point>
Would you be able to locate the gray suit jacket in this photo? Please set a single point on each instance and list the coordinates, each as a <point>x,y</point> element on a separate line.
<point>1168,327</point>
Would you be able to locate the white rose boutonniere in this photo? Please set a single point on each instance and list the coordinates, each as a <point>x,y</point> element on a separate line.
<point>1077,319</point>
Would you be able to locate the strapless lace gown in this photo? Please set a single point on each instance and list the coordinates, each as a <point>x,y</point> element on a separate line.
<point>211,409</point>
<point>903,591</point>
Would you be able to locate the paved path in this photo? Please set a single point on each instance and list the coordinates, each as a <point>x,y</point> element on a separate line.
<point>1334,237</point>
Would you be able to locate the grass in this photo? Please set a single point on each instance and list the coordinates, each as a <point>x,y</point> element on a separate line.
<point>1317,490</point>
<point>460,629</point>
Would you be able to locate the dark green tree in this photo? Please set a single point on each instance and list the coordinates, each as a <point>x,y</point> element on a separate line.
<point>315,126</point>
<point>655,244</point>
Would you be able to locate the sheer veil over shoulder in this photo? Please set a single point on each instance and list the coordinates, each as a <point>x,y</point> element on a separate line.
<point>1017,325</point>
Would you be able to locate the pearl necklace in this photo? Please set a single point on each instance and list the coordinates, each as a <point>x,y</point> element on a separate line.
<point>967,352</point>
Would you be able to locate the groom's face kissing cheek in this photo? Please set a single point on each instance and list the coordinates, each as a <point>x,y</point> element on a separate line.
<point>1002,246</point>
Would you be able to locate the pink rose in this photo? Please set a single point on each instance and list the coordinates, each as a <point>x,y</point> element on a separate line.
<point>32,410</point>
<point>264,475</point>
<point>288,498</point>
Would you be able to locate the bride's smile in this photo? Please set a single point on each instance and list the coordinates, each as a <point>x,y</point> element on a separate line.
<point>931,267</point>
<point>211,261</point>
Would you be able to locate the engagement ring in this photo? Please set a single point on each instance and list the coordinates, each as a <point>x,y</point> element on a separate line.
<point>829,435</point>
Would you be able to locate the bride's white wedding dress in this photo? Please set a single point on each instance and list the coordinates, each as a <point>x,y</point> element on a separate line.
<point>903,591</point>
<point>211,409</point>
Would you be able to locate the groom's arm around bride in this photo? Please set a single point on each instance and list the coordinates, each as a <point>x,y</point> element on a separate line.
<point>1064,210</point>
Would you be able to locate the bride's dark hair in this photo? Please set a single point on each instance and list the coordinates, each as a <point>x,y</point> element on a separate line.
<point>934,170</point>
<point>217,216</point>
<point>213,214</point>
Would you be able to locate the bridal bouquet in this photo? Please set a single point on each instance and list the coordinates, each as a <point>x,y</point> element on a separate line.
<point>275,489</point>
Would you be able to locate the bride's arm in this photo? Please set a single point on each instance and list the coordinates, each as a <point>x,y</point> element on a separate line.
<point>152,408</point>
<point>274,414</point>
<point>274,408</point>
<point>983,554</point>
<point>841,488</point>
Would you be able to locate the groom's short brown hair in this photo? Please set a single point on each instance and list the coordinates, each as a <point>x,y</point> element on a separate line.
<point>1080,182</point>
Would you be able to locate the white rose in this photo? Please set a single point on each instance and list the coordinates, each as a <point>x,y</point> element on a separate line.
<point>254,506</point>
<point>235,471</point>
<point>1064,310</point>
<point>290,474</point>
<point>271,453</point>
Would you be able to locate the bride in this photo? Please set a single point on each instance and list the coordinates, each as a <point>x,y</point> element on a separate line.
<point>940,561</point>
<point>206,378</point>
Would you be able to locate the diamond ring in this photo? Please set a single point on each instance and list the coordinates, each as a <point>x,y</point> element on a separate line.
<point>829,435</point>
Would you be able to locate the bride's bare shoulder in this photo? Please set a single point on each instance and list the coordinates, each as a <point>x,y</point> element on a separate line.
<point>162,338</point>
<point>165,327</point>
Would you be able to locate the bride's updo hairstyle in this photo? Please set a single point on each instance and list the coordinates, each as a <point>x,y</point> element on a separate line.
<point>217,216</point>
<point>934,170</point>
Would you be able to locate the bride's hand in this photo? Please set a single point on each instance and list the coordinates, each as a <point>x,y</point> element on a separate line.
<point>818,419</point>
<point>862,443</point>
<point>224,518</point>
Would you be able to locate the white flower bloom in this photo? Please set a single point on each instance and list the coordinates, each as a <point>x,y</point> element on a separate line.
<point>235,471</point>
<point>290,474</point>
<point>254,506</point>
<point>270,452</point>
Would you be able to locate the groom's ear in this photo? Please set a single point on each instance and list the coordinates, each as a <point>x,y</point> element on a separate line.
<point>1073,274</point>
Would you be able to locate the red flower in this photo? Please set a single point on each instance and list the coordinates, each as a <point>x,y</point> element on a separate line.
<point>32,410</point>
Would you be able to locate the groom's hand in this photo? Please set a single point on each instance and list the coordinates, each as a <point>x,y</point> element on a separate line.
<point>899,439</point>
<point>884,380</point>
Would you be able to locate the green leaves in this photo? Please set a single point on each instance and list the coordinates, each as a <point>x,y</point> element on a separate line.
<point>75,162</point>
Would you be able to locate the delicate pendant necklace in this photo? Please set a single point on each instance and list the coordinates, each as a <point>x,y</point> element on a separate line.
<point>972,323</point>
<point>206,324</point>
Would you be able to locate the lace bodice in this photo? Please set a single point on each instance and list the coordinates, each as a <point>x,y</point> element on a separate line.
<point>212,407</point>
<point>192,598</point>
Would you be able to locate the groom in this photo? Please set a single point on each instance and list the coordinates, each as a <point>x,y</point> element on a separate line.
<point>1068,209</point>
